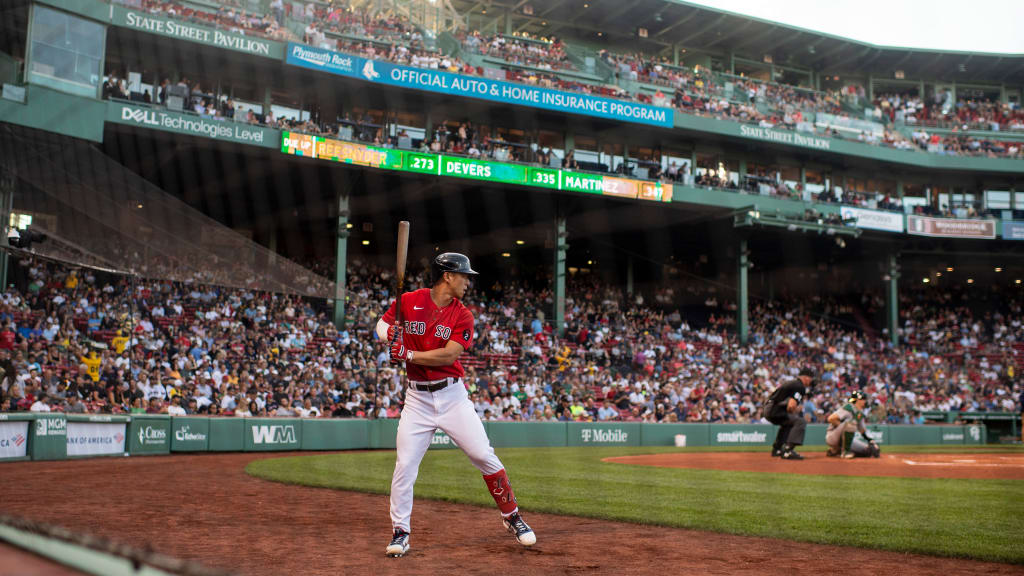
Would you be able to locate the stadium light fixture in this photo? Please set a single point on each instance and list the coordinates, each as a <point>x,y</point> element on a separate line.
<point>998,269</point>
<point>970,280</point>
<point>938,274</point>
<point>520,242</point>
<point>586,5</point>
<point>590,262</point>
<point>139,205</point>
<point>1018,280</point>
<point>349,225</point>
<point>366,242</point>
<point>506,254</point>
<point>950,269</point>
<point>925,280</point>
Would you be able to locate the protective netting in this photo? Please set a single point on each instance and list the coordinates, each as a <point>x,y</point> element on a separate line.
<point>98,213</point>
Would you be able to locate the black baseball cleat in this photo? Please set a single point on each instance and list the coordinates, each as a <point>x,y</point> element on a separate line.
<point>776,452</point>
<point>520,529</point>
<point>791,455</point>
<point>399,544</point>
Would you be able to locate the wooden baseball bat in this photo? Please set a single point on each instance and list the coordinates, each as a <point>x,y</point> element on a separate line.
<point>403,253</point>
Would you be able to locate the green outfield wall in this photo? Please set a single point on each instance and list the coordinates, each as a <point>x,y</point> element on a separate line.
<point>54,436</point>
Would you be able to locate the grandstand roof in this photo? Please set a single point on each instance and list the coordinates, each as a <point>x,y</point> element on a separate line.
<point>720,32</point>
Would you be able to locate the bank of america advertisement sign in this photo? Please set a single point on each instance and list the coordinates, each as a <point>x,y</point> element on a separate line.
<point>873,219</point>
<point>95,438</point>
<point>13,439</point>
<point>476,87</point>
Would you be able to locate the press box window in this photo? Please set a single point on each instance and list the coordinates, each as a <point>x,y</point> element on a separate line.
<point>65,51</point>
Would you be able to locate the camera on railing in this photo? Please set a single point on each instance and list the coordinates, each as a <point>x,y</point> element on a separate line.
<point>24,239</point>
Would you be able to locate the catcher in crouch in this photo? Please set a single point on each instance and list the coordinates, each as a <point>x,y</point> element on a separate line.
<point>843,424</point>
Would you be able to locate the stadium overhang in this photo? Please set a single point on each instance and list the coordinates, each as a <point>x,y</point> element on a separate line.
<point>670,24</point>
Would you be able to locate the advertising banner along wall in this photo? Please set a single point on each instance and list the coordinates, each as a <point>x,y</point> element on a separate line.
<point>873,219</point>
<point>1013,230</point>
<point>96,438</point>
<point>951,227</point>
<point>191,124</point>
<point>195,33</point>
<point>13,439</point>
<point>476,87</point>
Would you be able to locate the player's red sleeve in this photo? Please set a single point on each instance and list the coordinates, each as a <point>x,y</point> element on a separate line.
<point>389,316</point>
<point>462,332</point>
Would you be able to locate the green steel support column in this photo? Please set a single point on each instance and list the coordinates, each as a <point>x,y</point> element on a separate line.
<point>742,315</point>
<point>892,302</point>
<point>954,90</point>
<point>340,261</point>
<point>871,87</point>
<point>508,22</point>
<point>899,188</point>
<point>803,184</point>
<point>732,63</point>
<point>570,140</point>
<point>742,171</point>
<point>6,206</point>
<point>561,247</point>
<point>629,275</point>
<point>625,158</point>
<point>920,89</point>
<point>675,54</point>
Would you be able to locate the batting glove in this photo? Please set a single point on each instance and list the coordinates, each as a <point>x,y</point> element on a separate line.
<point>399,353</point>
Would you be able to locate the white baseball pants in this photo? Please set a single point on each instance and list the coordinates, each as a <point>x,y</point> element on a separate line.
<point>451,410</point>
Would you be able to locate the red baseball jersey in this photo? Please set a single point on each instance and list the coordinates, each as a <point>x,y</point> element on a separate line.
<point>428,327</point>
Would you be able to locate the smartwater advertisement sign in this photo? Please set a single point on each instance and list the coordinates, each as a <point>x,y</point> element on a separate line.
<point>95,438</point>
<point>476,87</point>
<point>873,219</point>
<point>13,439</point>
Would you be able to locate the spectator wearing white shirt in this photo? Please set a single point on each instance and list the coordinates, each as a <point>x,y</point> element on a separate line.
<point>174,408</point>
<point>40,405</point>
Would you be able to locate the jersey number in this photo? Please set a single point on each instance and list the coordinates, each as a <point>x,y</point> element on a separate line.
<point>443,332</point>
<point>415,327</point>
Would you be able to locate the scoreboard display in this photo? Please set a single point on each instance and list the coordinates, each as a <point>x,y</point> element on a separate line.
<point>334,150</point>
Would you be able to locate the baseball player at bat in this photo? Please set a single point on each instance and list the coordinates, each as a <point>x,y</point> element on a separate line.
<point>843,425</point>
<point>436,328</point>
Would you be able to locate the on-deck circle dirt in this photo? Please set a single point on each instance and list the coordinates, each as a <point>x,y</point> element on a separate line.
<point>205,507</point>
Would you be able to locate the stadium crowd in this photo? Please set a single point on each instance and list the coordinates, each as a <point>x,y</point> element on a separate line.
<point>78,341</point>
<point>546,54</point>
<point>393,37</point>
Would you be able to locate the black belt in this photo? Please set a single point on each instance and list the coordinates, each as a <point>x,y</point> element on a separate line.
<point>435,386</point>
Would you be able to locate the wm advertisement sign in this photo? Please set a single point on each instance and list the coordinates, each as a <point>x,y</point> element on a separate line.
<point>267,434</point>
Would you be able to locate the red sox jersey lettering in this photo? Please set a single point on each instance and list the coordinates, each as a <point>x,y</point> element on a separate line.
<point>427,327</point>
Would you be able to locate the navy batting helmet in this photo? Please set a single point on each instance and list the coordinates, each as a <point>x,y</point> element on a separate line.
<point>857,395</point>
<point>451,262</point>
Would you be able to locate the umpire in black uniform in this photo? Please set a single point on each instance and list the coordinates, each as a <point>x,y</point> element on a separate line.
<point>783,409</point>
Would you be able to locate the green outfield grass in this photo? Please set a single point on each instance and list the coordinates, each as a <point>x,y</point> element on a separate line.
<point>979,519</point>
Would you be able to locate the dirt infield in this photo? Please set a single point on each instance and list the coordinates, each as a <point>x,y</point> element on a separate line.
<point>1004,466</point>
<point>205,507</point>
